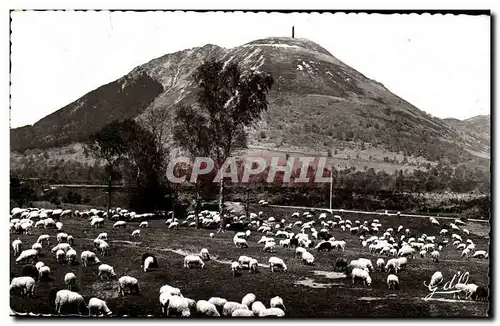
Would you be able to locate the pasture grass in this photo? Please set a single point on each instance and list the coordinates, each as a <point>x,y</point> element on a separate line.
<point>332,298</point>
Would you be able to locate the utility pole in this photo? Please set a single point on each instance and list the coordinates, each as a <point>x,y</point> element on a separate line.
<point>293,31</point>
<point>331,188</point>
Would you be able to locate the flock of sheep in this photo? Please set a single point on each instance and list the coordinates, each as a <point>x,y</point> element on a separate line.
<point>397,246</point>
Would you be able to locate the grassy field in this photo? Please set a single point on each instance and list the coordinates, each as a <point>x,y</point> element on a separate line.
<point>307,291</point>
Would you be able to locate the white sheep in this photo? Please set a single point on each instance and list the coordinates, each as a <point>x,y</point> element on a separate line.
<point>235,268</point>
<point>44,272</point>
<point>392,281</point>
<point>104,248</point>
<point>71,256</point>
<point>362,274</point>
<point>28,254</point>
<point>136,233</point>
<point>103,236</point>
<point>211,235</point>
<point>148,262</point>
<point>277,302</point>
<point>17,246</point>
<point>120,224</point>
<point>436,279</point>
<point>97,306</point>
<point>435,256</point>
<point>380,264</point>
<point>299,251</point>
<point>37,246</point>
<point>144,224</point>
<point>207,309</point>
<point>218,302</point>
<point>64,297</point>
<point>25,284</point>
<point>174,225</point>
<point>62,237</point>
<point>61,246</point>
<point>240,243</point>
<point>88,256</point>
<point>175,304</point>
<point>105,269</point>
<point>257,307</point>
<point>231,306</point>
<point>190,260</point>
<point>205,255</point>
<point>128,283</point>
<point>248,300</point>
<point>480,254</point>
<point>70,280</point>
<point>170,290</point>
<point>59,226</point>
<point>307,258</point>
<point>274,312</point>
<point>44,238</point>
<point>242,313</point>
<point>270,246</point>
<point>253,266</point>
<point>97,222</point>
<point>276,262</point>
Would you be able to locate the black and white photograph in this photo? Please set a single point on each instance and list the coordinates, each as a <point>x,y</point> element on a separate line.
<point>257,164</point>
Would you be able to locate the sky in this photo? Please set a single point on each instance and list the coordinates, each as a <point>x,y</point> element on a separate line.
<point>439,63</point>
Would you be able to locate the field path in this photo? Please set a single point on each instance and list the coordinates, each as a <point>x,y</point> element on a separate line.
<point>376,213</point>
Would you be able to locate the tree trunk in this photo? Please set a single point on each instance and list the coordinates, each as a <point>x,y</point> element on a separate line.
<point>197,205</point>
<point>221,203</point>
<point>247,204</point>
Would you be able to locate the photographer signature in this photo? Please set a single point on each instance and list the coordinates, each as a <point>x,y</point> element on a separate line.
<point>448,287</point>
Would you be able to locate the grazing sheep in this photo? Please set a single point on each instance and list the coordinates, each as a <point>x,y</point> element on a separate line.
<point>253,266</point>
<point>211,235</point>
<point>136,233</point>
<point>277,302</point>
<point>436,279</point>
<point>435,256</point>
<point>248,300</point>
<point>340,264</point>
<point>218,303</point>
<point>257,307</point>
<point>71,256</point>
<point>174,304</point>
<point>207,309</point>
<point>61,246</point>
<point>242,313</point>
<point>104,248</point>
<point>270,246</point>
<point>240,243</point>
<point>380,264</point>
<point>245,261</point>
<point>362,274</point>
<point>37,246</point>
<point>393,282</point>
<point>97,306</point>
<point>480,294</point>
<point>28,254</point>
<point>60,257</point>
<point>149,263</point>
<point>65,297</point>
<point>70,280</point>
<point>190,260</point>
<point>174,225</point>
<point>44,238</point>
<point>128,283</point>
<point>299,251</point>
<point>24,284</point>
<point>205,255</point>
<point>105,269</point>
<point>276,262</point>
<point>62,237</point>
<point>144,224</point>
<point>17,246</point>
<point>103,236</point>
<point>235,268</point>
<point>480,254</point>
<point>120,224</point>
<point>231,306</point>
<point>44,273</point>
<point>307,258</point>
<point>171,290</point>
<point>272,312</point>
<point>88,257</point>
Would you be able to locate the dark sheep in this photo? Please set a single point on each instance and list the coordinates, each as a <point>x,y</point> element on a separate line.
<point>480,294</point>
<point>30,270</point>
<point>294,242</point>
<point>340,264</point>
<point>327,245</point>
<point>155,261</point>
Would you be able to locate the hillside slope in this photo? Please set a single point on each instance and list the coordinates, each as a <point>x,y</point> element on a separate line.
<point>318,103</point>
